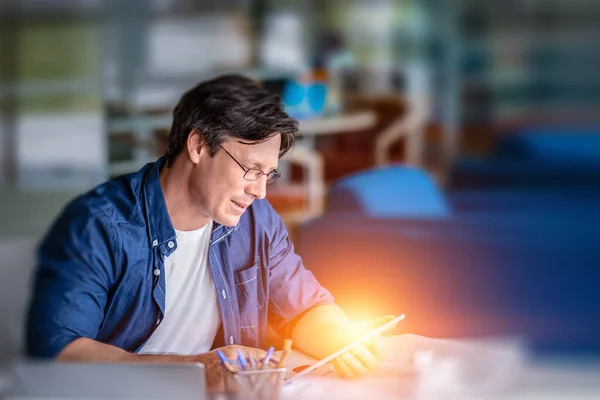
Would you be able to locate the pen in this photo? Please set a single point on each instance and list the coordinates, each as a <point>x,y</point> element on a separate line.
<point>242,360</point>
<point>225,362</point>
<point>252,367</point>
<point>252,361</point>
<point>265,363</point>
<point>287,348</point>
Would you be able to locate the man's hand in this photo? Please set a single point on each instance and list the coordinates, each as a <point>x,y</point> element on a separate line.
<point>325,329</point>
<point>361,359</point>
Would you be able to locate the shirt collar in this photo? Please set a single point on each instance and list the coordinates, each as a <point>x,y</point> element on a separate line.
<point>161,229</point>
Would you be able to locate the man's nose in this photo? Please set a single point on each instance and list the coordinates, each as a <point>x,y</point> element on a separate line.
<point>258,188</point>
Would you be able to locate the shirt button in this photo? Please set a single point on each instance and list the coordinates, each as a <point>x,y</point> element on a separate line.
<point>157,272</point>
<point>231,340</point>
<point>171,244</point>
<point>155,243</point>
<point>224,294</point>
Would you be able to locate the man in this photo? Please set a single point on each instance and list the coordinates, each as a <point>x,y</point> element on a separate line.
<point>186,255</point>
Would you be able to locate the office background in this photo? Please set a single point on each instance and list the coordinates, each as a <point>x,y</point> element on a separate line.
<point>448,164</point>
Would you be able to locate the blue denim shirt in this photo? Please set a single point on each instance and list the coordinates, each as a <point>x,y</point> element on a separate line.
<point>101,270</point>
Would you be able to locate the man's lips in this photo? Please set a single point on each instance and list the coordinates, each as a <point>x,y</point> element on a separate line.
<point>243,205</point>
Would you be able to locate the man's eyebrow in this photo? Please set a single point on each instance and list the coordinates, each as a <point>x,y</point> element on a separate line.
<point>260,166</point>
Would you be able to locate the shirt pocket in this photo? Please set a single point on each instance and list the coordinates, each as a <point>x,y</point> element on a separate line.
<point>250,299</point>
<point>250,294</point>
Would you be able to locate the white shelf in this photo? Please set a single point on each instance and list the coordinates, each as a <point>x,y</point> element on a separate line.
<point>126,167</point>
<point>83,85</point>
<point>337,124</point>
<point>139,123</point>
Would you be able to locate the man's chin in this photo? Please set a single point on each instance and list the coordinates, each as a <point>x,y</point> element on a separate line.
<point>228,220</point>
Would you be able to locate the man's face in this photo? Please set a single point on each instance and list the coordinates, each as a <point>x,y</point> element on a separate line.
<point>220,187</point>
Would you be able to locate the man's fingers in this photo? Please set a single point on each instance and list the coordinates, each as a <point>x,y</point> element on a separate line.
<point>342,369</point>
<point>365,356</point>
<point>357,367</point>
<point>231,352</point>
<point>375,344</point>
<point>259,356</point>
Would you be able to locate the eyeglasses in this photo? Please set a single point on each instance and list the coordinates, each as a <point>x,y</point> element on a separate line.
<point>251,174</point>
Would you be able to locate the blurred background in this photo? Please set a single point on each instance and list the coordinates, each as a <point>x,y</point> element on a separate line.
<point>447,166</point>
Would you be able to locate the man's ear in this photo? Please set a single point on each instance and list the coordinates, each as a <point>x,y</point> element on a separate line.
<point>195,145</point>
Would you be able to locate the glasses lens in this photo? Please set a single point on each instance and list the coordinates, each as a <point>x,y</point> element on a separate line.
<point>273,176</point>
<point>253,174</point>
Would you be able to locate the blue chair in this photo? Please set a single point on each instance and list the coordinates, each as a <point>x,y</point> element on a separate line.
<point>393,191</point>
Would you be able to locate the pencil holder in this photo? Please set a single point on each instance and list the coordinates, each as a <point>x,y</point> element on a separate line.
<point>259,384</point>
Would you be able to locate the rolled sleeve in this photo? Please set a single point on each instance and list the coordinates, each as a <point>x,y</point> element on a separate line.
<point>293,289</point>
<point>72,281</point>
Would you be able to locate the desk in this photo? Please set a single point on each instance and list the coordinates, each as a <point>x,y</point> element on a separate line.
<point>336,124</point>
<point>549,379</point>
<point>490,369</point>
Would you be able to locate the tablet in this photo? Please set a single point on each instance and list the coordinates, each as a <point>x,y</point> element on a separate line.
<point>341,351</point>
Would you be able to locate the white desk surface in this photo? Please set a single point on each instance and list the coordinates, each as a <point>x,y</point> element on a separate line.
<point>486,369</point>
<point>334,124</point>
<point>514,377</point>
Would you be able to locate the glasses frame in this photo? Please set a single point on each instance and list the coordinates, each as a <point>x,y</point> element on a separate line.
<point>272,176</point>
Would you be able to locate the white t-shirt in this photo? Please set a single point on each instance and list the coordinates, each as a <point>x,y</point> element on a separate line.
<point>192,316</point>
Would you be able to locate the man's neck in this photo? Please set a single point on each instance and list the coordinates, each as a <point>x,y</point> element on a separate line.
<point>184,214</point>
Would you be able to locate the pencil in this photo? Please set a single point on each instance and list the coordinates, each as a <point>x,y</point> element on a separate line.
<point>287,348</point>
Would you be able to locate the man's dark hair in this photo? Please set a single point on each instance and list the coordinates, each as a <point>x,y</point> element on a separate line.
<point>229,105</point>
